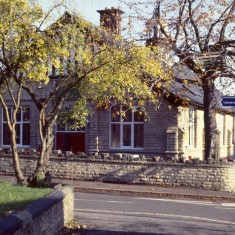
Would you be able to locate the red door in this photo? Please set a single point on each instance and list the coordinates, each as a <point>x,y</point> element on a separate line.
<point>70,141</point>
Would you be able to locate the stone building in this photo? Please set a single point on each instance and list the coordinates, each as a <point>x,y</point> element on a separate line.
<point>173,130</point>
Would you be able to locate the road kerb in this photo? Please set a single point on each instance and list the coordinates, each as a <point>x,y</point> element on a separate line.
<point>154,194</point>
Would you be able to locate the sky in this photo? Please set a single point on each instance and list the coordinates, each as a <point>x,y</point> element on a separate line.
<point>87,8</point>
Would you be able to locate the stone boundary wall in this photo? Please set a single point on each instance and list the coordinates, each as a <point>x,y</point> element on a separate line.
<point>219,177</point>
<point>46,216</point>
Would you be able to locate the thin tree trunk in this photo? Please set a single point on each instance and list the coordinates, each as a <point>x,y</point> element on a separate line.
<point>16,163</point>
<point>11,122</point>
<point>211,131</point>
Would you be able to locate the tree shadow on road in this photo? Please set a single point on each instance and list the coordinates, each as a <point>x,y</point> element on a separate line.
<point>102,232</point>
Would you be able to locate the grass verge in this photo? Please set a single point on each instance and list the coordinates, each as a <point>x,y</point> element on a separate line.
<point>13,197</point>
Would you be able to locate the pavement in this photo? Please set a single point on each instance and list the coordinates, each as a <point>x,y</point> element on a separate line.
<point>137,190</point>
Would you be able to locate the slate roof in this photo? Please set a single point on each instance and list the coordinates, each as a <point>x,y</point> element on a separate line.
<point>191,92</point>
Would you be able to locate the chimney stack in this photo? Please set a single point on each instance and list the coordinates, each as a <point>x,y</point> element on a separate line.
<point>110,19</point>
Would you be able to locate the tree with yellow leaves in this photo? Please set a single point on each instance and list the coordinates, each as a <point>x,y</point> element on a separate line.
<point>24,56</point>
<point>71,60</point>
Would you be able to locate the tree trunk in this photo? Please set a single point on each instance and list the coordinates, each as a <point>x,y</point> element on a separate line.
<point>211,131</point>
<point>16,163</point>
<point>38,178</point>
<point>46,136</point>
<point>11,123</point>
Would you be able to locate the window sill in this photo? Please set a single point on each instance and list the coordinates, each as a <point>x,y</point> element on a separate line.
<point>124,149</point>
<point>18,146</point>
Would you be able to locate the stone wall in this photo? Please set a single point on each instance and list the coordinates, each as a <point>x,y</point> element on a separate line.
<point>45,216</point>
<point>205,176</point>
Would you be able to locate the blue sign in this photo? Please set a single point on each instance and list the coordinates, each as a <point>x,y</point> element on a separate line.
<point>228,101</point>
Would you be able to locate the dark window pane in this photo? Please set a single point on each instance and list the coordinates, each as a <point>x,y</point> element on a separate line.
<point>115,135</point>
<point>127,115</point>
<point>26,134</point>
<point>20,126</point>
<point>26,114</point>
<point>18,133</point>
<point>138,116</point>
<point>81,129</point>
<point>4,114</point>
<point>6,135</point>
<point>18,115</point>
<point>115,113</point>
<point>70,128</point>
<point>70,125</point>
<point>126,135</point>
<point>60,127</point>
<point>138,136</point>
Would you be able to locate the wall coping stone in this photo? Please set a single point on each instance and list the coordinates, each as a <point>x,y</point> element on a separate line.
<point>24,218</point>
<point>126,162</point>
<point>106,161</point>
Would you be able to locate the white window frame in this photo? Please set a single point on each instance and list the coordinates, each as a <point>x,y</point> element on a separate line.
<point>224,128</point>
<point>132,123</point>
<point>191,126</point>
<point>21,122</point>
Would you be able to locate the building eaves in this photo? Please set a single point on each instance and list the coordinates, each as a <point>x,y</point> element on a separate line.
<point>184,88</point>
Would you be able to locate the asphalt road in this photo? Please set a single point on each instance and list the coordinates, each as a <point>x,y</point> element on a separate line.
<point>112,214</point>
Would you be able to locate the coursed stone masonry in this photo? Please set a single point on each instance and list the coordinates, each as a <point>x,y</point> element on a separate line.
<point>205,176</point>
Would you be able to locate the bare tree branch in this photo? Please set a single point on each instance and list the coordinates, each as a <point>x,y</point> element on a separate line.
<point>212,27</point>
<point>226,22</point>
<point>196,30</point>
<point>180,24</point>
